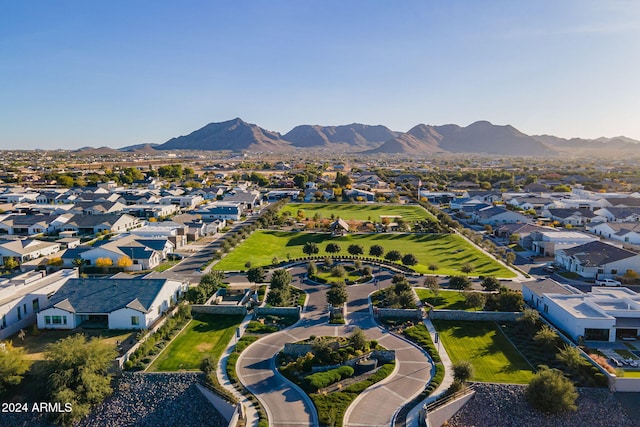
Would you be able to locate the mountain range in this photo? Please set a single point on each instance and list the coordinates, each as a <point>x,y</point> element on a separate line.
<point>422,139</point>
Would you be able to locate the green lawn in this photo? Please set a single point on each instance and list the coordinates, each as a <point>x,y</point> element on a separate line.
<point>206,335</point>
<point>447,300</point>
<point>448,251</point>
<point>361,212</point>
<point>493,357</point>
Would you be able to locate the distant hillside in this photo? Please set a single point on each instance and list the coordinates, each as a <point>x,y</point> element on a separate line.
<point>355,134</point>
<point>478,137</point>
<point>140,148</point>
<point>232,135</point>
<point>96,151</point>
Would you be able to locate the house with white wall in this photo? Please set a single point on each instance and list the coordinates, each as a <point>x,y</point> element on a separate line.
<point>626,232</point>
<point>497,215</point>
<point>220,210</point>
<point>110,303</point>
<point>598,260</point>
<point>604,314</point>
<point>24,295</point>
<point>547,242</point>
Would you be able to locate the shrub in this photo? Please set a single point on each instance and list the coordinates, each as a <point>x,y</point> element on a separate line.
<point>462,371</point>
<point>550,391</point>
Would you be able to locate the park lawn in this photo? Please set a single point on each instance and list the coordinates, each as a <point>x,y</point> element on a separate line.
<point>493,357</point>
<point>446,300</point>
<point>358,212</point>
<point>447,251</point>
<point>206,335</point>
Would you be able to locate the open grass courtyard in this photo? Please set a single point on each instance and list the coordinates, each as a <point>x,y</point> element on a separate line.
<point>446,300</point>
<point>448,252</point>
<point>206,335</point>
<point>493,357</point>
<point>358,212</point>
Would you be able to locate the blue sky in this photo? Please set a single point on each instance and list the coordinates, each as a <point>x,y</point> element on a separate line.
<point>116,73</point>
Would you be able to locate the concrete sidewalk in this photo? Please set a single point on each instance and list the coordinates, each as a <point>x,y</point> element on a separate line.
<point>221,372</point>
<point>413,416</point>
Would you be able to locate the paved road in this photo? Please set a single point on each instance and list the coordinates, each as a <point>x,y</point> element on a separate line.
<point>288,406</point>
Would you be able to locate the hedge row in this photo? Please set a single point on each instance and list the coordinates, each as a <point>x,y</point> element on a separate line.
<point>323,379</point>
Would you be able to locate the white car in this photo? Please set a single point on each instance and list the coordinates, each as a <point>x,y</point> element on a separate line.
<point>607,282</point>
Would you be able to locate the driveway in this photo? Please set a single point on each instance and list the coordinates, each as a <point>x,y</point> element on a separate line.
<point>287,405</point>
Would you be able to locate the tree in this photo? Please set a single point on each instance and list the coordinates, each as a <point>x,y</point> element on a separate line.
<point>433,267</point>
<point>310,248</point>
<point>393,255</point>
<point>10,263</point>
<point>570,356</point>
<point>546,337</point>
<point>401,287</point>
<point>255,275</point>
<point>530,318</point>
<point>397,278</point>
<point>333,248</point>
<point>432,284</point>
<point>124,262</point>
<point>55,262</point>
<point>312,269</point>
<point>376,250</point>
<point>459,283</point>
<point>357,339</point>
<point>490,283</point>
<point>76,371</point>
<point>355,250</point>
<point>13,365</point>
<point>514,238</point>
<point>467,268</point>
<point>474,299</point>
<point>328,261</point>
<point>551,392</point>
<point>409,259</point>
<point>280,279</point>
<point>462,371</point>
<point>77,262</point>
<point>337,294</point>
<point>510,257</point>
<point>338,271</point>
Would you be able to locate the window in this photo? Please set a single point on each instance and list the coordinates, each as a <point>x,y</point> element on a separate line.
<point>546,308</point>
<point>19,313</point>
<point>135,320</point>
<point>47,320</point>
<point>64,320</point>
<point>35,305</point>
<point>4,320</point>
<point>614,271</point>
<point>56,320</point>
<point>24,308</point>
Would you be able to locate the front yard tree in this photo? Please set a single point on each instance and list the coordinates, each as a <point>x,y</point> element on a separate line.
<point>104,262</point>
<point>376,250</point>
<point>460,283</point>
<point>124,262</point>
<point>76,371</point>
<point>13,365</point>
<point>337,294</point>
<point>11,264</point>
<point>310,248</point>
<point>490,283</point>
<point>333,248</point>
<point>409,259</point>
<point>551,392</point>
<point>393,255</point>
<point>355,250</point>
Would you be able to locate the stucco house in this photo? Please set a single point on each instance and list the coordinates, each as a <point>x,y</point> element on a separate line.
<point>110,303</point>
<point>626,232</point>
<point>496,215</point>
<point>598,260</point>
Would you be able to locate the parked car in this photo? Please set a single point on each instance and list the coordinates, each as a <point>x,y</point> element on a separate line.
<point>607,282</point>
<point>549,268</point>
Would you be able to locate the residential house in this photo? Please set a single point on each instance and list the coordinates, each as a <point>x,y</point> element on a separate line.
<point>496,215</point>
<point>173,231</point>
<point>24,295</point>
<point>26,250</point>
<point>598,260</point>
<point>31,225</point>
<point>547,242</point>
<point>220,210</point>
<point>360,195</point>
<point>339,227</point>
<point>95,224</point>
<point>184,202</point>
<point>619,214</point>
<point>150,210</point>
<point>574,217</point>
<point>249,200</point>
<point>142,256</point>
<point>532,203</point>
<point>110,303</point>
<point>275,195</point>
<point>626,232</point>
<point>604,314</point>
<point>98,207</point>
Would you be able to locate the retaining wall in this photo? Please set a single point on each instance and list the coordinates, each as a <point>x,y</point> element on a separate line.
<point>492,316</point>
<point>278,311</point>
<point>398,312</point>
<point>219,309</point>
<point>442,414</point>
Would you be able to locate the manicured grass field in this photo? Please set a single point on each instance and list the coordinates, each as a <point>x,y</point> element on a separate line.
<point>447,300</point>
<point>361,212</point>
<point>206,335</point>
<point>493,357</point>
<point>448,251</point>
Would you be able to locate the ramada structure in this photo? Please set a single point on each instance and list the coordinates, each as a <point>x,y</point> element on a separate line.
<point>604,314</point>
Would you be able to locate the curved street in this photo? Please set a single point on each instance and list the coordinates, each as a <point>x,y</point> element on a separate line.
<point>287,405</point>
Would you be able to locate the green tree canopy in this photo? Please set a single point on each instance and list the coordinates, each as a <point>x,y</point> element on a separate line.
<point>337,294</point>
<point>376,250</point>
<point>551,392</point>
<point>13,365</point>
